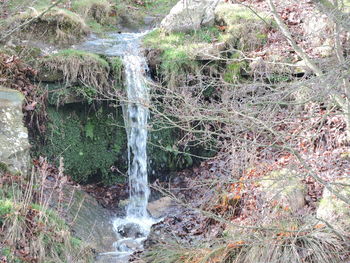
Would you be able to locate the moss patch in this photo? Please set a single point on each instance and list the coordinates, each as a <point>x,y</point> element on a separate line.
<point>90,141</point>
<point>245,30</point>
<point>178,52</point>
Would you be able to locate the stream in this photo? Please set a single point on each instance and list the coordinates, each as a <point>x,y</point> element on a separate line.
<point>134,228</point>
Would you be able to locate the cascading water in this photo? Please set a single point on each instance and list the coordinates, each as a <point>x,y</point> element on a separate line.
<point>136,124</point>
<point>135,226</point>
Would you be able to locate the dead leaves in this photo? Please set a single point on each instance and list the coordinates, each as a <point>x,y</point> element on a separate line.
<point>17,75</point>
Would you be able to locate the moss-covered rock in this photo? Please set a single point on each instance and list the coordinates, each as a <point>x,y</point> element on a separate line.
<point>14,146</point>
<point>91,139</point>
<point>179,55</point>
<point>75,67</point>
<point>245,30</point>
<point>331,208</point>
<point>283,189</point>
<point>98,10</point>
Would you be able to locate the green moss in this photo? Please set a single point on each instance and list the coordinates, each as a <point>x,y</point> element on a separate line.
<point>118,69</point>
<point>91,142</point>
<point>245,29</point>
<point>6,207</point>
<point>235,69</point>
<point>178,61</point>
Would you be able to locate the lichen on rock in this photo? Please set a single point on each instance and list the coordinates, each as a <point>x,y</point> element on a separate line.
<point>283,188</point>
<point>190,15</point>
<point>14,145</point>
<point>331,208</point>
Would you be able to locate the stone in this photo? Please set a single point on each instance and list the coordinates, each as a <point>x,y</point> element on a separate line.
<point>161,207</point>
<point>14,144</point>
<point>130,230</point>
<point>284,188</point>
<point>331,208</point>
<point>318,30</point>
<point>89,220</point>
<point>210,52</point>
<point>188,15</point>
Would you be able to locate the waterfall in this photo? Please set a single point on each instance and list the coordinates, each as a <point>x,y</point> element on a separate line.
<point>134,228</point>
<point>136,126</point>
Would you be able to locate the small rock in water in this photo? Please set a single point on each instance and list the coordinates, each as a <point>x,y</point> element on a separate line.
<point>129,245</point>
<point>130,230</point>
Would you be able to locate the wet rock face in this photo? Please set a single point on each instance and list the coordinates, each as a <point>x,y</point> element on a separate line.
<point>89,220</point>
<point>190,15</point>
<point>14,145</point>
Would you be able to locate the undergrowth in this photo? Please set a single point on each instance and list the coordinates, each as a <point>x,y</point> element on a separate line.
<point>312,243</point>
<point>29,230</point>
<point>79,67</point>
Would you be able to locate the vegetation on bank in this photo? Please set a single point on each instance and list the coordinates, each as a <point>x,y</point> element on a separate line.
<point>65,22</point>
<point>29,230</point>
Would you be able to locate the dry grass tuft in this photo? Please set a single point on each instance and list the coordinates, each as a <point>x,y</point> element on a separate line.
<point>79,67</point>
<point>58,26</point>
<point>98,10</point>
<point>29,230</point>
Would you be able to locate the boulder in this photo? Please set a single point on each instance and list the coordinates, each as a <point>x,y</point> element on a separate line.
<point>189,15</point>
<point>284,189</point>
<point>318,30</point>
<point>331,208</point>
<point>14,145</point>
<point>161,207</point>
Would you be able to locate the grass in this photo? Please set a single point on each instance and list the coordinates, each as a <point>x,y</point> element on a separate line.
<point>58,26</point>
<point>79,67</point>
<point>245,30</point>
<point>308,242</point>
<point>32,231</point>
<point>96,10</point>
<point>178,51</point>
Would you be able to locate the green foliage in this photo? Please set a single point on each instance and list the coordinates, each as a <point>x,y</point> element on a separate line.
<point>245,29</point>
<point>117,68</point>
<point>235,69</point>
<point>90,142</point>
<point>6,207</point>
